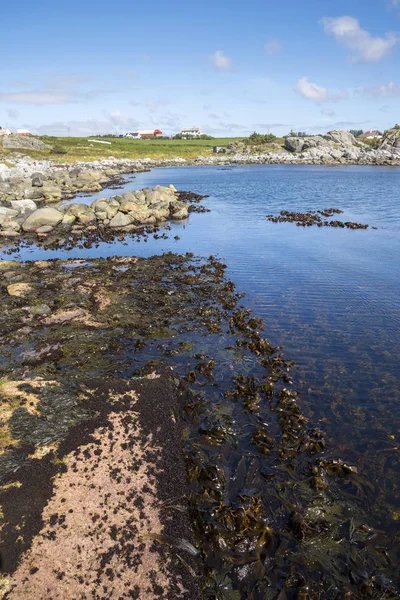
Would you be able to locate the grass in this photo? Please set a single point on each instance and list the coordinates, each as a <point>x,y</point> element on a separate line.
<point>80,149</point>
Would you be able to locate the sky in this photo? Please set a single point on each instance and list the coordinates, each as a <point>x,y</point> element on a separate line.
<point>231,68</point>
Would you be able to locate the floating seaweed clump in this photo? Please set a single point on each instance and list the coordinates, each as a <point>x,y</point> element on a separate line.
<point>313,217</point>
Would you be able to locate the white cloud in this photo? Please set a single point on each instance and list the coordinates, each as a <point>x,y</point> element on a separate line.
<point>394,3</point>
<point>273,46</point>
<point>35,97</point>
<point>349,34</point>
<point>328,112</point>
<point>386,90</point>
<point>220,61</point>
<point>311,91</point>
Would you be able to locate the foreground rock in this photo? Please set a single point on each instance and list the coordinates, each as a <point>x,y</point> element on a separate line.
<point>40,217</point>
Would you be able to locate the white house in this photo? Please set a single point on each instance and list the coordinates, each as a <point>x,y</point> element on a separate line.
<point>23,132</point>
<point>192,132</point>
<point>4,131</point>
<point>372,134</point>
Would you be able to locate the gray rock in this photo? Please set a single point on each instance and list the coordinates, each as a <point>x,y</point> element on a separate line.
<point>37,181</point>
<point>344,138</point>
<point>24,143</point>
<point>42,216</point>
<point>120,220</point>
<point>23,205</point>
<point>294,144</point>
<point>34,194</point>
<point>8,212</point>
<point>78,209</point>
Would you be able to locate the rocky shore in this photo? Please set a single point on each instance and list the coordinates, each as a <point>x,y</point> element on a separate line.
<point>131,212</point>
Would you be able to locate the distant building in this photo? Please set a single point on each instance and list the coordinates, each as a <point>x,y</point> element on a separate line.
<point>144,133</point>
<point>23,132</point>
<point>372,134</point>
<point>191,132</point>
<point>4,131</point>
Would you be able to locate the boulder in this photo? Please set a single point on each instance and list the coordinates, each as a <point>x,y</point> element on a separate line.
<point>130,206</point>
<point>33,194</point>
<point>344,138</point>
<point>78,209</point>
<point>180,211</point>
<point>8,212</point>
<point>37,180</point>
<point>68,219</point>
<point>19,289</point>
<point>294,144</point>
<point>42,216</point>
<point>11,225</point>
<point>87,217</point>
<point>23,205</point>
<point>120,220</point>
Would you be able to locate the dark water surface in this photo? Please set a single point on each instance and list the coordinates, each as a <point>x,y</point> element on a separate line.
<point>329,297</point>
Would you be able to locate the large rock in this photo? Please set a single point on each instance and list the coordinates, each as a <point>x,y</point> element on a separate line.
<point>294,144</point>
<point>20,290</point>
<point>120,220</point>
<point>23,206</point>
<point>391,141</point>
<point>78,209</point>
<point>42,216</point>
<point>24,143</point>
<point>344,138</point>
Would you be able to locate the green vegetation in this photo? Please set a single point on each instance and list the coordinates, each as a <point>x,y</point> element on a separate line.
<point>261,138</point>
<point>81,149</point>
<point>356,132</point>
<point>203,136</point>
<point>58,149</point>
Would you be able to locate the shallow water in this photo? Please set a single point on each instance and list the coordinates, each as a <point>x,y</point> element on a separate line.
<point>329,297</point>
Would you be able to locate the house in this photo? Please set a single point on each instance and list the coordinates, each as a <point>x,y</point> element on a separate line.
<point>23,132</point>
<point>372,134</point>
<point>191,132</point>
<point>4,131</point>
<point>144,133</point>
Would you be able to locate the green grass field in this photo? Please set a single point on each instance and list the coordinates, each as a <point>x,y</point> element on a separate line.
<point>80,149</point>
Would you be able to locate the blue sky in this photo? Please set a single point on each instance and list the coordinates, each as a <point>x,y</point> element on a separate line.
<point>82,68</point>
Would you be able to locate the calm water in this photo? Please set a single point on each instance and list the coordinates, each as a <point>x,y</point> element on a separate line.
<point>329,297</point>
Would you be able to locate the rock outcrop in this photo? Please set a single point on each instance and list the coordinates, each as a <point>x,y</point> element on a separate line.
<point>391,141</point>
<point>28,142</point>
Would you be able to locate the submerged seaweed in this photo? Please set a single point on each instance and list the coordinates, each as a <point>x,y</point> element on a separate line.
<point>275,514</point>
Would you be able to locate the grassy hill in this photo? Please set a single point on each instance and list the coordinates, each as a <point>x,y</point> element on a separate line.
<point>80,149</point>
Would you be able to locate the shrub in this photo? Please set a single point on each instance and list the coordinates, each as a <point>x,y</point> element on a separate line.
<point>261,138</point>
<point>58,149</point>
